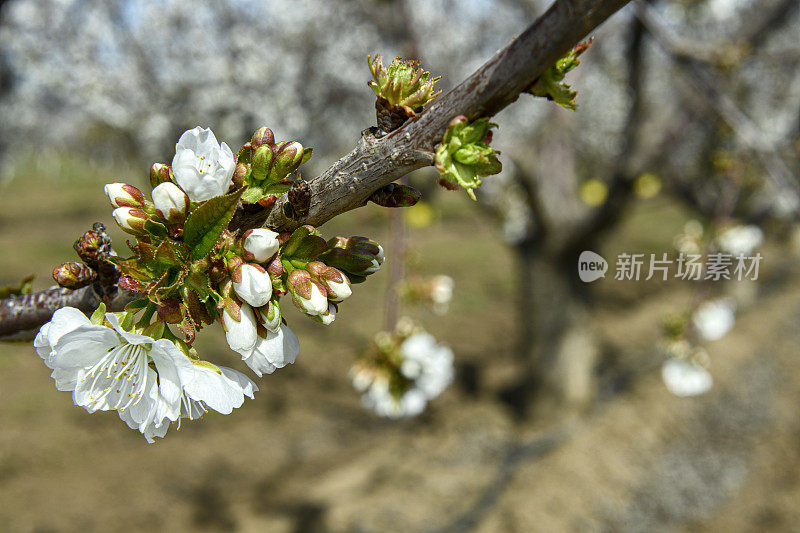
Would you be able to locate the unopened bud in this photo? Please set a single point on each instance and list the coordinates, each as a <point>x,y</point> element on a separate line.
<point>308,295</point>
<point>172,204</point>
<point>260,244</point>
<point>329,316</point>
<point>263,160</point>
<point>124,195</point>
<point>73,275</point>
<point>93,246</point>
<point>239,175</point>
<point>396,195</point>
<point>351,261</point>
<point>130,219</point>
<point>160,173</point>
<point>334,280</point>
<point>275,267</point>
<point>288,157</point>
<point>252,284</point>
<point>263,136</point>
<point>271,315</point>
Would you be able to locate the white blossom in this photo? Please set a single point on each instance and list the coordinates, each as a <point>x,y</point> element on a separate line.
<point>109,368</point>
<point>428,366</point>
<point>432,363</point>
<point>202,167</point>
<point>740,239</point>
<point>241,334</point>
<point>278,349</point>
<point>252,284</point>
<point>150,382</point>
<point>684,377</point>
<point>714,318</point>
<point>171,203</point>
<point>261,244</point>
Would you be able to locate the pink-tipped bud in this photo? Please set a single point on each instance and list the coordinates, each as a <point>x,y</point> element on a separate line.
<point>263,136</point>
<point>307,294</point>
<point>260,244</point>
<point>172,204</point>
<point>160,173</point>
<point>252,284</point>
<point>130,219</point>
<point>124,195</point>
<point>334,280</point>
<point>288,157</point>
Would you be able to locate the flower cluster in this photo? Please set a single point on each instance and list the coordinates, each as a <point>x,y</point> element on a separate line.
<point>402,371</point>
<point>190,270</point>
<point>464,154</point>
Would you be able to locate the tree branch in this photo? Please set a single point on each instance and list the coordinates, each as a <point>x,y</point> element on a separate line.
<point>377,161</point>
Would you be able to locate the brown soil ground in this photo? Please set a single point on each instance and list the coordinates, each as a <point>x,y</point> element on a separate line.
<point>303,456</point>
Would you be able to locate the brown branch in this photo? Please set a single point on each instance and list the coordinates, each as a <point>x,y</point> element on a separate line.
<point>376,162</point>
<point>21,317</point>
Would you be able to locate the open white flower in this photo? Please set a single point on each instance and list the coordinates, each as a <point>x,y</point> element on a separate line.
<point>740,239</point>
<point>204,388</point>
<point>714,319</point>
<point>108,368</point>
<point>684,377</point>
<point>278,349</point>
<point>201,166</point>
<point>428,363</point>
<point>150,382</point>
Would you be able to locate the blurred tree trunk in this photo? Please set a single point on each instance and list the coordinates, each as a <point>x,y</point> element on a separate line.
<point>558,340</point>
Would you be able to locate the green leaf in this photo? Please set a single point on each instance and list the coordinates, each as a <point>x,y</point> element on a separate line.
<point>166,255</point>
<point>157,229</point>
<point>137,305</point>
<point>205,225</point>
<point>98,316</point>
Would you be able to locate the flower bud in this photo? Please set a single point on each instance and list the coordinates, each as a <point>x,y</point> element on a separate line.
<point>260,244</point>
<point>93,246</point>
<point>239,175</point>
<point>252,284</point>
<point>334,280</point>
<point>352,261</point>
<point>130,219</point>
<point>160,173</point>
<point>275,267</point>
<point>124,195</point>
<point>288,157</point>
<point>369,246</point>
<point>263,136</point>
<point>172,204</point>
<point>308,295</point>
<point>73,275</point>
<point>263,159</point>
<point>328,317</point>
<point>239,323</point>
<point>271,315</point>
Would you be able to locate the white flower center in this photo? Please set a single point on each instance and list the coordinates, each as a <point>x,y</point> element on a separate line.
<point>205,164</point>
<point>120,375</point>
